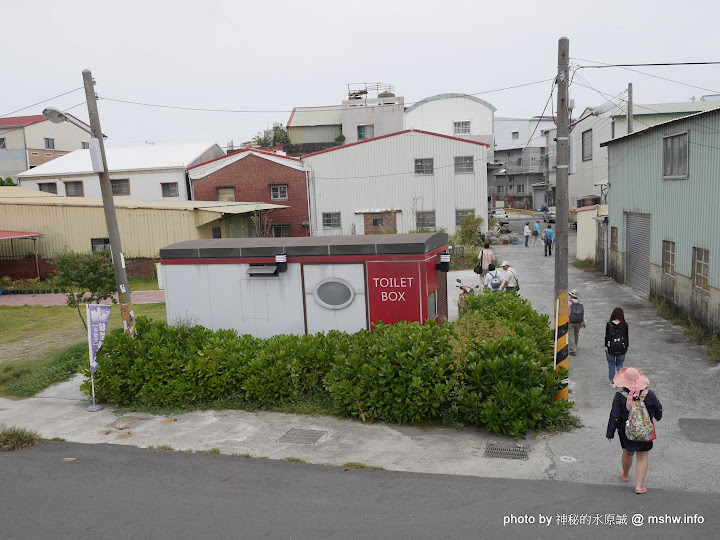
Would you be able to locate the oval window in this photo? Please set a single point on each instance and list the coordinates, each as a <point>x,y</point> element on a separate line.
<point>334,293</point>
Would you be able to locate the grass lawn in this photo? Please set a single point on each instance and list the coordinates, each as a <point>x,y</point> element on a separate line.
<point>31,338</point>
<point>137,283</point>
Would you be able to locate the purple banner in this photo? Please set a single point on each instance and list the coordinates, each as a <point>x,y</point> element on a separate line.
<point>97,321</point>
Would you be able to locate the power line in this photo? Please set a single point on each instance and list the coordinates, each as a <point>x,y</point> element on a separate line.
<point>43,101</point>
<point>605,64</point>
<point>642,65</point>
<point>326,108</point>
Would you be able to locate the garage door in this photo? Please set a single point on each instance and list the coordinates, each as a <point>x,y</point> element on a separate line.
<point>637,251</point>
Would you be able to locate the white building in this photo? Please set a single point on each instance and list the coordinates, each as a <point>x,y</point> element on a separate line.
<point>152,173</point>
<point>405,181</point>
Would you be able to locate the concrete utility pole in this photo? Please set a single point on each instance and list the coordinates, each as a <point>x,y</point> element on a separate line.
<point>630,109</point>
<point>126,310</point>
<point>562,209</point>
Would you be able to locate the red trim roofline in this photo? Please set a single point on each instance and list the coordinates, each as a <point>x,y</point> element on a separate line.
<point>291,117</point>
<point>392,135</point>
<point>251,150</point>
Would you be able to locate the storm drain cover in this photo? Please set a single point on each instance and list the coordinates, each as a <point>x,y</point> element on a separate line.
<point>638,306</point>
<point>506,451</point>
<point>700,429</point>
<point>678,340</point>
<point>302,436</point>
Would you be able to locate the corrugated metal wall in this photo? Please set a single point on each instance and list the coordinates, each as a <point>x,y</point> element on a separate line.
<point>381,175</point>
<point>67,136</point>
<point>687,211</point>
<point>143,231</point>
<point>314,134</point>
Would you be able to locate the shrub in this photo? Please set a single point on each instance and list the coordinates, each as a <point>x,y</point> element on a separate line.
<point>15,438</point>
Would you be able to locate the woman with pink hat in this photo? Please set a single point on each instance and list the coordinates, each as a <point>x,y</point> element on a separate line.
<point>634,387</point>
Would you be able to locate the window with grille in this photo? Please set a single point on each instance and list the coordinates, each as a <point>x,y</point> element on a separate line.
<point>365,132</point>
<point>377,222</point>
<point>464,164</point>
<point>331,220</point>
<point>501,189</point>
<point>86,145</point>
<point>216,232</point>
<point>424,166</point>
<point>279,192</point>
<point>701,267</point>
<point>226,194</point>
<point>515,135</point>
<point>50,187</point>
<point>521,188</point>
<point>120,187</point>
<point>675,155</point>
<point>100,244</point>
<point>425,220</point>
<point>614,239</point>
<point>587,145</point>
<point>280,231</point>
<point>461,128</point>
<point>49,144</point>
<point>519,162</point>
<point>169,189</point>
<point>459,214</point>
<point>74,189</point>
<point>668,258</point>
<point>600,236</point>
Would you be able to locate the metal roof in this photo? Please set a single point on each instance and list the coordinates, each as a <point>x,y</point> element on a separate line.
<point>450,96</point>
<point>129,158</point>
<point>661,125</point>
<point>22,120</point>
<point>686,107</point>
<point>17,192</point>
<point>209,167</point>
<point>306,246</point>
<point>329,115</point>
<point>220,207</point>
<point>15,235</point>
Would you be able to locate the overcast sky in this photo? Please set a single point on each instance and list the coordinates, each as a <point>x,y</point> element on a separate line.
<point>275,55</point>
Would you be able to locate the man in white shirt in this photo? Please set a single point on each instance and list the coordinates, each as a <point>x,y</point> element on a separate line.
<point>510,281</point>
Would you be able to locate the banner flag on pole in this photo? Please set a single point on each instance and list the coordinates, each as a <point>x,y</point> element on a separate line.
<point>97,321</point>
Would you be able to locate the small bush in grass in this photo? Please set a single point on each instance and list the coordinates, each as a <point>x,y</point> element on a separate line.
<point>16,438</point>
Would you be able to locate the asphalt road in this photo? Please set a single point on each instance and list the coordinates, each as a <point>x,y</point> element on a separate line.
<point>68,490</point>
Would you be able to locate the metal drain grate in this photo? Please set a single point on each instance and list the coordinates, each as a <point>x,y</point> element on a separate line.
<point>506,451</point>
<point>302,436</point>
<point>639,306</point>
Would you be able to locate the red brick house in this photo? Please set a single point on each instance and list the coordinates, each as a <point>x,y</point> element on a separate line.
<point>258,176</point>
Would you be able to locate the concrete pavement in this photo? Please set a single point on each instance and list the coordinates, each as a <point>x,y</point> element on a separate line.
<point>684,456</point>
<point>138,297</point>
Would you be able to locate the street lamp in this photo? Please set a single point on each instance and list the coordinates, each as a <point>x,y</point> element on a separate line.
<point>99,164</point>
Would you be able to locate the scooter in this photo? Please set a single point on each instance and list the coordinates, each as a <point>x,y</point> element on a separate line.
<point>465,291</point>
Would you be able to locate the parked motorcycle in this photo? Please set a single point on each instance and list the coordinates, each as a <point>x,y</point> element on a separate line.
<point>465,291</point>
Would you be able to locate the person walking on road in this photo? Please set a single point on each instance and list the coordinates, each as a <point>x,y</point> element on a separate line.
<point>536,232</point>
<point>549,237</point>
<point>576,318</point>
<point>486,257</point>
<point>634,387</point>
<point>616,342</point>
<point>526,232</point>
<point>510,280</point>
<point>493,279</point>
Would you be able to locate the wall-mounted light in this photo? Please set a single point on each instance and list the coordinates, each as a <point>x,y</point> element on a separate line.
<point>281,263</point>
<point>444,264</point>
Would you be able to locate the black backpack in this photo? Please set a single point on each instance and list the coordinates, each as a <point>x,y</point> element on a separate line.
<point>577,312</point>
<point>617,339</point>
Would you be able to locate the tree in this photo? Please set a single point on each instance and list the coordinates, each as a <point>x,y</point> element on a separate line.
<point>7,182</point>
<point>277,136</point>
<point>88,278</point>
<point>469,231</point>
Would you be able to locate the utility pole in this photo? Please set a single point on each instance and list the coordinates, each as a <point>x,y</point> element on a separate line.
<point>562,209</point>
<point>630,110</point>
<point>123,289</point>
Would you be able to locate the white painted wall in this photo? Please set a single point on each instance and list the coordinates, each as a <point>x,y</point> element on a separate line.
<point>524,127</point>
<point>224,296</point>
<point>144,185</point>
<point>67,136</point>
<point>380,175</point>
<point>439,115</point>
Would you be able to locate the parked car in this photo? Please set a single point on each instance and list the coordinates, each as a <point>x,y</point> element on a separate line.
<point>501,216</point>
<point>549,215</point>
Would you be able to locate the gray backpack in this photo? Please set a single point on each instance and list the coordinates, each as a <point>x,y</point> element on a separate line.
<point>577,312</point>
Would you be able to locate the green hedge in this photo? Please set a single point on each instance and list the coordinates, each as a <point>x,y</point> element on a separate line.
<point>492,368</point>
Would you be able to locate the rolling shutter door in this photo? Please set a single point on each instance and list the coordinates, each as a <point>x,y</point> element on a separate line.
<point>637,251</point>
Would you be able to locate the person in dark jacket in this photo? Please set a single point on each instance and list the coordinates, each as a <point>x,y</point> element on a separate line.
<point>616,342</point>
<point>633,383</point>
